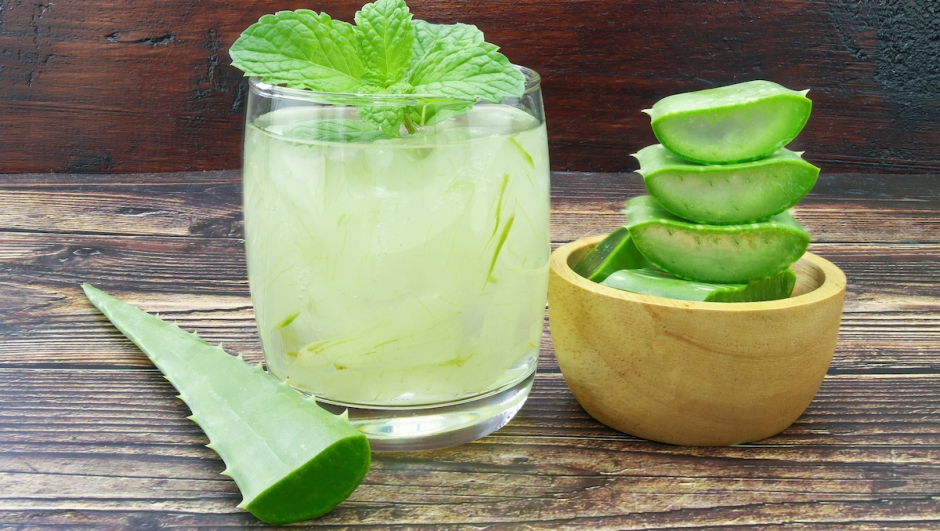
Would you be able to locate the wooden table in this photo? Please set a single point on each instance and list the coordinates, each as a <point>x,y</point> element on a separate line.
<point>92,437</point>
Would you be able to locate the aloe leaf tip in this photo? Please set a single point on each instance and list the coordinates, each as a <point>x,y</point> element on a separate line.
<point>291,459</point>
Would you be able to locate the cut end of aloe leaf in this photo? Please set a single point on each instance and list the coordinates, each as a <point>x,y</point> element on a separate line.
<point>293,498</point>
<point>651,281</point>
<point>736,123</point>
<point>291,459</point>
<point>728,254</point>
<point>613,253</point>
<point>727,193</point>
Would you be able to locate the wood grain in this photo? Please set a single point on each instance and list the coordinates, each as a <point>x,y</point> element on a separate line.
<point>92,437</point>
<point>866,441</point>
<point>88,87</point>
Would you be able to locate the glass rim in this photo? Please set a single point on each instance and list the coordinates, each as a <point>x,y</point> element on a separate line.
<point>257,85</point>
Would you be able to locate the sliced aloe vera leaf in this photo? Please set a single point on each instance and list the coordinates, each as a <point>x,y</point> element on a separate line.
<point>649,281</point>
<point>728,193</point>
<point>613,253</point>
<point>291,459</point>
<point>736,123</point>
<point>727,254</point>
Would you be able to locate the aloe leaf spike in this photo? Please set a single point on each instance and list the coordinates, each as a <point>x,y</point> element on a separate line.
<point>291,459</point>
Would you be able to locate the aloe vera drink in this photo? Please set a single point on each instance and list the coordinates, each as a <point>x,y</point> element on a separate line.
<point>407,271</point>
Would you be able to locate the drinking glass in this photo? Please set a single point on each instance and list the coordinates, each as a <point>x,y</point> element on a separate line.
<point>400,278</point>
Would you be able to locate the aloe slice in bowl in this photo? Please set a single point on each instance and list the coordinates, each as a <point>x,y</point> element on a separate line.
<point>650,281</point>
<point>730,193</point>
<point>736,123</point>
<point>613,253</point>
<point>714,253</point>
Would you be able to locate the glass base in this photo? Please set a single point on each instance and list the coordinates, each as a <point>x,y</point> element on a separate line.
<point>442,426</point>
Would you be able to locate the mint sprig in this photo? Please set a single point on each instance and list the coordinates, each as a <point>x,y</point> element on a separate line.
<point>300,49</point>
<point>341,130</point>
<point>383,40</point>
<point>386,52</point>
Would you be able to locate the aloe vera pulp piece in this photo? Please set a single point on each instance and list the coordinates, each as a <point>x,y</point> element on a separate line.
<point>650,281</point>
<point>728,254</point>
<point>736,123</point>
<point>615,252</point>
<point>728,193</point>
<point>291,459</point>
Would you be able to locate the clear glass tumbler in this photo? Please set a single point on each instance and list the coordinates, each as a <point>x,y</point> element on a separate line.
<point>403,279</point>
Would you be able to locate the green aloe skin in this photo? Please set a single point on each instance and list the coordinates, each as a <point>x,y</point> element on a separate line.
<point>651,281</point>
<point>291,459</point>
<point>730,254</point>
<point>614,253</point>
<point>736,123</point>
<point>728,193</point>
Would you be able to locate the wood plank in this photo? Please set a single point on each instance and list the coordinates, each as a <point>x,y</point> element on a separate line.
<point>867,448</point>
<point>199,204</point>
<point>891,320</point>
<point>87,88</point>
<point>112,408</point>
<point>842,208</point>
<point>885,208</point>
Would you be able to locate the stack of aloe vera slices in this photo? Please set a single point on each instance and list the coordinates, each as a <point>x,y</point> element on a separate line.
<point>716,226</point>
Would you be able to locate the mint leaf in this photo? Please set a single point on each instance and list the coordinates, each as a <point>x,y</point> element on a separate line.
<point>468,72</point>
<point>425,115</point>
<point>427,35</point>
<point>388,117</point>
<point>334,131</point>
<point>301,49</point>
<point>384,115</point>
<point>384,39</point>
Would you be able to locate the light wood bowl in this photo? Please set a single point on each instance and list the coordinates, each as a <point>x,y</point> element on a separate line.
<point>693,373</point>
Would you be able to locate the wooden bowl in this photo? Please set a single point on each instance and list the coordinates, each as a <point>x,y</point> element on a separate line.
<point>693,373</point>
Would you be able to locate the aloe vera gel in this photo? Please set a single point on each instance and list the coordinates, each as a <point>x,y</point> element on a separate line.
<point>736,123</point>
<point>726,193</point>
<point>716,226</point>
<point>714,253</point>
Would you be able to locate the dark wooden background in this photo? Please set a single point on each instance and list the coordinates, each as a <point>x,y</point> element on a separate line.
<point>106,86</point>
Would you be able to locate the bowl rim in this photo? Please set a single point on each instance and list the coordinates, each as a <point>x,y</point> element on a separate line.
<point>833,285</point>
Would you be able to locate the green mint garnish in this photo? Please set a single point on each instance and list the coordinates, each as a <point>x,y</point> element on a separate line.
<point>476,72</point>
<point>334,131</point>
<point>386,52</point>
<point>300,49</point>
<point>383,40</point>
<point>427,35</point>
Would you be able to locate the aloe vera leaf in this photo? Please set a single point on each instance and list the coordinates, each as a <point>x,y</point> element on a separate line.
<point>613,253</point>
<point>729,193</point>
<point>649,281</point>
<point>727,254</point>
<point>291,459</point>
<point>736,123</point>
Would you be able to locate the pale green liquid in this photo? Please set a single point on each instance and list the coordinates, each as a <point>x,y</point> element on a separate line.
<point>400,272</point>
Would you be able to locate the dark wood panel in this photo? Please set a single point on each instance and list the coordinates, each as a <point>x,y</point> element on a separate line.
<point>112,405</point>
<point>200,204</point>
<point>88,87</point>
<point>119,448</point>
<point>884,208</point>
<point>891,321</point>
